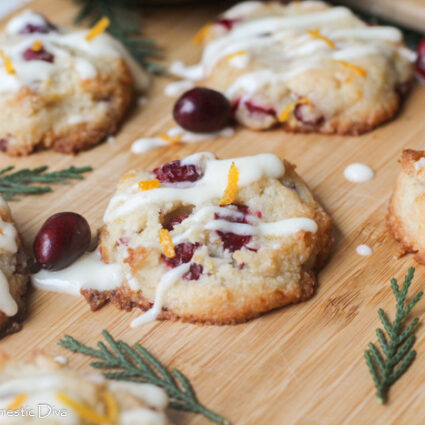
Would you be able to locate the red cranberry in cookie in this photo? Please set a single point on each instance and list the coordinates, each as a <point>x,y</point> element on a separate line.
<point>420,61</point>
<point>176,172</point>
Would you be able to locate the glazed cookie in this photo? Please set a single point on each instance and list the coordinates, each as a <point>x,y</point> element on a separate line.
<point>407,207</point>
<point>59,88</point>
<point>306,65</point>
<point>77,398</point>
<point>213,241</point>
<point>13,274</point>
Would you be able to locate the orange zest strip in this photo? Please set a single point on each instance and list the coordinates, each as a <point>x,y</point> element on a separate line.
<point>149,184</point>
<point>112,410</point>
<point>37,46</point>
<point>284,115</point>
<point>169,139</point>
<point>232,186</point>
<point>201,34</point>
<point>316,34</point>
<point>98,28</point>
<point>166,243</point>
<point>361,71</point>
<point>7,63</point>
<point>234,55</point>
<point>85,412</point>
<point>18,402</point>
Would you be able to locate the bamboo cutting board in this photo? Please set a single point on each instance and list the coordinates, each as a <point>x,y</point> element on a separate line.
<point>301,365</point>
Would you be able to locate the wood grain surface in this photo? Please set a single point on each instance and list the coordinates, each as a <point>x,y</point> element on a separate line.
<point>301,365</point>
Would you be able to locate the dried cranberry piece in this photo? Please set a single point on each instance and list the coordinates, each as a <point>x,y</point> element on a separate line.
<point>253,108</point>
<point>175,172</point>
<point>227,23</point>
<point>38,55</point>
<point>231,241</point>
<point>41,29</point>
<point>420,61</point>
<point>308,116</point>
<point>174,221</point>
<point>3,144</point>
<point>194,272</point>
<point>184,253</point>
<point>202,110</point>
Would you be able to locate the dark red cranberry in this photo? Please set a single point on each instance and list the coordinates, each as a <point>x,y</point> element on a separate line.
<point>420,61</point>
<point>253,108</point>
<point>38,55</point>
<point>227,23</point>
<point>174,221</point>
<point>231,241</point>
<point>175,172</point>
<point>62,239</point>
<point>3,144</point>
<point>194,272</point>
<point>41,29</point>
<point>184,253</point>
<point>202,110</point>
<point>308,115</point>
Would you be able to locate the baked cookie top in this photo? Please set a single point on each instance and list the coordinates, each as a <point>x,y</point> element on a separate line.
<point>214,241</point>
<point>13,273</point>
<point>307,65</point>
<point>59,87</point>
<point>30,388</point>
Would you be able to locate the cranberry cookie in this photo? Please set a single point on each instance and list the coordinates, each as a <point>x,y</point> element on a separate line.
<point>59,89</point>
<point>13,274</point>
<point>306,65</point>
<point>76,398</point>
<point>407,207</point>
<point>213,241</point>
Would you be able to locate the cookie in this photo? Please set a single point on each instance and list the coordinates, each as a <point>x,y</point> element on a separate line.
<point>407,206</point>
<point>14,276</point>
<point>306,65</point>
<point>44,391</point>
<point>59,89</point>
<point>213,241</point>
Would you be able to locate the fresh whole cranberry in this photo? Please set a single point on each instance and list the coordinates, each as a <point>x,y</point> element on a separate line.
<point>62,239</point>
<point>175,172</point>
<point>38,55</point>
<point>202,110</point>
<point>420,61</point>
<point>194,272</point>
<point>184,253</point>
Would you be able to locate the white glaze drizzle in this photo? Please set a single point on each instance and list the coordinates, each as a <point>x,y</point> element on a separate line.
<point>70,50</point>
<point>208,188</point>
<point>41,388</point>
<point>167,280</point>
<point>364,250</point>
<point>7,304</point>
<point>88,272</point>
<point>358,173</point>
<point>177,88</point>
<point>419,164</point>
<point>145,144</point>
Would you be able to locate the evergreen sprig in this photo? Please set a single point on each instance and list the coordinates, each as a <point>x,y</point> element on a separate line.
<point>19,182</point>
<point>396,355</point>
<point>137,364</point>
<point>125,26</point>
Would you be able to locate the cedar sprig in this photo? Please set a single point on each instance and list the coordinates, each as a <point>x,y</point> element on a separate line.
<point>137,364</point>
<point>19,182</point>
<point>125,26</point>
<point>396,341</point>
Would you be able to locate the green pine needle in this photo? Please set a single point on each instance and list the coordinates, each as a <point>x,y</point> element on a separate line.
<point>395,355</point>
<point>136,364</point>
<point>125,26</point>
<point>19,182</point>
